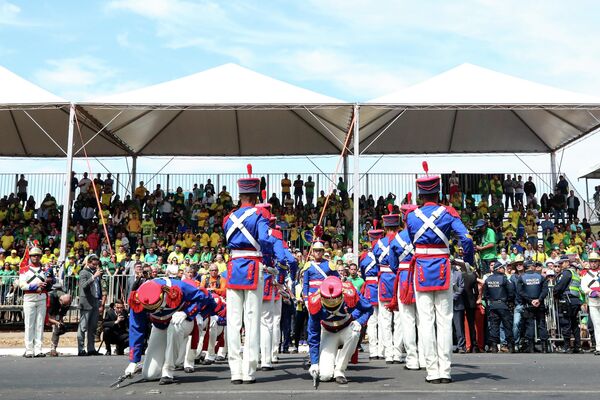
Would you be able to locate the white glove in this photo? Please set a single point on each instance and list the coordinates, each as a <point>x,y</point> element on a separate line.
<point>356,326</point>
<point>314,370</point>
<point>178,318</point>
<point>131,368</point>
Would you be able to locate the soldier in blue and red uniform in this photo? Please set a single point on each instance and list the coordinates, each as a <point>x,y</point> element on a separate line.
<point>317,271</point>
<point>370,271</point>
<point>429,228</point>
<point>288,268</point>
<point>275,262</point>
<point>247,234</point>
<point>338,313</point>
<point>389,321</point>
<point>400,257</point>
<point>171,307</point>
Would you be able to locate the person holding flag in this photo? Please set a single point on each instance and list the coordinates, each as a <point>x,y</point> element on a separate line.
<point>35,283</point>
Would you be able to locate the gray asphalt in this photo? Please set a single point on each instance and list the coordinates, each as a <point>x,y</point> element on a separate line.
<point>476,376</point>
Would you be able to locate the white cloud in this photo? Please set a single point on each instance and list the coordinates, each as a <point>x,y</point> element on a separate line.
<point>9,13</point>
<point>81,78</point>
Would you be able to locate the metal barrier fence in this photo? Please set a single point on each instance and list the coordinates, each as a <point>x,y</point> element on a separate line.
<point>376,184</point>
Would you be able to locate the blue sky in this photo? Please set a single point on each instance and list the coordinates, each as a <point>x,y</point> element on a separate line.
<point>353,50</point>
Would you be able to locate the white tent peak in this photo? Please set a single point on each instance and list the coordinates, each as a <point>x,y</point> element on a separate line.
<point>225,84</point>
<point>472,84</point>
<point>17,90</point>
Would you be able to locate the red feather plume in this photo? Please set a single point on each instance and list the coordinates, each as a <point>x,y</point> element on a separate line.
<point>263,193</point>
<point>249,168</point>
<point>375,222</point>
<point>318,231</point>
<point>390,208</point>
<point>409,197</point>
<point>426,167</point>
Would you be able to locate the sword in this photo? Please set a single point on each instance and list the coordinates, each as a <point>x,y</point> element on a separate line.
<point>316,381</point>
<point>122,378</point>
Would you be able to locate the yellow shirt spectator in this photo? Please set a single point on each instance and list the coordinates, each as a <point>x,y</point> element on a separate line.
<point>203,238</point>
<point>121,255</point>
<point>14,261</point>
<point>7,240</point>
<point>134,225</point>
<point>214,239</point>
<point>178,255</point>
<point>81,244</point>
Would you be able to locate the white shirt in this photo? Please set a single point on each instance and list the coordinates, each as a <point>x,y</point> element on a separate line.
<point>588,281</point>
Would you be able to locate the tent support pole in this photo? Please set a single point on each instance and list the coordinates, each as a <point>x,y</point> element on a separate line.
<point>346,169</point>
<point>355,225</point>
<point>553,169</point>
<point>587,198</point>
<point>133,174</point>
<point>67,195</point>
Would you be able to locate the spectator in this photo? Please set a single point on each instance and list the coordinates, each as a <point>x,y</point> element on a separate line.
<point>91,305</point>
<point>572,206</point>
<point>140,194</point>
<point>487,247</point>
<point>298,191</point>
<point>22,189</point>
<point>58,305</point>
<point>562,185</point>
<point>84,185</point>
<point>519,190</point>
<point>286,184</point>
<point>355,278</point>
<point>214,282</point>
<point>509,192</point>
<point>454,184</point>
<point>209,187</point>
<point>458,319</point>
<point>309,187</point>
<point>116,328</point>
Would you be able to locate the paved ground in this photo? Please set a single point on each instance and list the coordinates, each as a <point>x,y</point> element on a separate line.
<point>502,376</point>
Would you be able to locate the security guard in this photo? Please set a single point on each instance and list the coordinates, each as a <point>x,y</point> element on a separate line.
<point>533,289</point>
<point>498,292</point>
<point>429,228</point>
<point>569,293</point>
<point>369,270</point>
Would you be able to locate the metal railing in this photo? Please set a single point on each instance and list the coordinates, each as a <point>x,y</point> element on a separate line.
<point>376,184</point>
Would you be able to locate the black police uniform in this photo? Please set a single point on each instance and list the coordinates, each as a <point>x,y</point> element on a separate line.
<point>532,286</point>
<point>498,292</point>
<point>569,305</point>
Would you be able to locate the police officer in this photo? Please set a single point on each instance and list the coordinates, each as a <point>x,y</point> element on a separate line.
<point>389,321</point>
<point>498,292</point>
<point>569,294</point>
<point>429,228</point>
<point>247,234</point>
<point>533,289</point>
<point>369,271</point>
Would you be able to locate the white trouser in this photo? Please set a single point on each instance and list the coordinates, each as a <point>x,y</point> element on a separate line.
<point>333,362</point>
<point>435,331</point>
<point>244,305</point>
<point>409,334</point>
<point>595,316</point>
<point>266,333</point>
<point>34,313</point>
<point>375,345</point>
<point>276,328</point>
<point>391,333</point>
<point>213,334</point>
<point>191,354</point>
<point>164,347</point>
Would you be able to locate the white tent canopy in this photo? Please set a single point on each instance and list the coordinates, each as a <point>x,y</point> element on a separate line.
<point>34,122</point>
<point>225,111</point>
<point>591,172</point>
<point>470,109</point>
